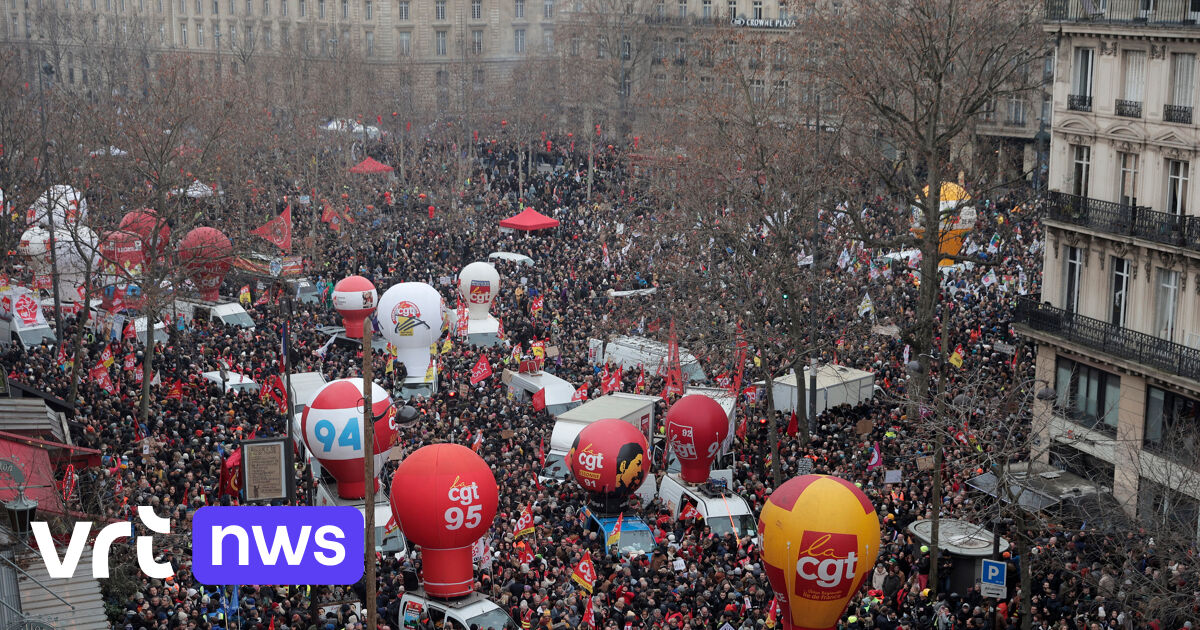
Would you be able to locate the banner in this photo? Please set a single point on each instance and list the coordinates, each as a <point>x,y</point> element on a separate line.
<point>481,372</point>
<point>278,231</point>
<point>585,574</point>
<point>525,524</point>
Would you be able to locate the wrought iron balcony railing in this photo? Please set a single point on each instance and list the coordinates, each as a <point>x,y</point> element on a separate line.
<point>1177,114</point>
<point>1129,109</point>
<point>1079,102</point>
<point>1109,339</point>
<point>1126,220</point>
<point>1156,12</point>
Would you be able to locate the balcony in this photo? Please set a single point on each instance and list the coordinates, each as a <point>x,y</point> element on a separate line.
<point>1129,109</point>
<point>1125,220</point>
<point>1177,114</point>
<point>1160,12</point>
<point>1115,341</point>
<point>1079,102</point>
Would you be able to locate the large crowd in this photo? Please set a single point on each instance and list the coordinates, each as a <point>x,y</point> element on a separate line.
<point>693,578</point>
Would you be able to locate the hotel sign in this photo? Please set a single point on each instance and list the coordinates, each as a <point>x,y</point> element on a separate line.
<point>787,23</point>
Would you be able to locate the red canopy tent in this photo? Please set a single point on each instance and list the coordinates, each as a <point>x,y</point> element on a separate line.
<point>528,221</point>
<point>371,166</point>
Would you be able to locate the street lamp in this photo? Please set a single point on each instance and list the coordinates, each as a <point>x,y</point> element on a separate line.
<point>20,513</point>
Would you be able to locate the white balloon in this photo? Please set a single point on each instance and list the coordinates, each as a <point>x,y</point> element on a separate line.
<point>478,284</point>
<point>76,250</point>
<point>35,247</point>
<point>412,316</point>
<point>68,205</point>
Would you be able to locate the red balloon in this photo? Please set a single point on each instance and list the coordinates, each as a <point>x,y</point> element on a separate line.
<point>122,249</point>
<point>609,459</point>
<point>444,498</point>
<point>355,298</point>
<point>205,253</point>
<point>142,223</point>
<point>696,427</point>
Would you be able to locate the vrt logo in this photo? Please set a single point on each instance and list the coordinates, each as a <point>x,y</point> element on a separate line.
<point>100,549</point>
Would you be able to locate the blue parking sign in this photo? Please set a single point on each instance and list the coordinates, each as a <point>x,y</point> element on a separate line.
<point>993,579</point>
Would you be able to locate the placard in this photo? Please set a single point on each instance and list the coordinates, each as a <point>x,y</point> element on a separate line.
<point>462,390</point>
<point>506,377</point>
<point>925,463</point>
<point>863,427</point>
<point>264,469</point>
<point>507,434</point>
<point>891,476</point>
<point>1004,348</point>
<point>551,352</point>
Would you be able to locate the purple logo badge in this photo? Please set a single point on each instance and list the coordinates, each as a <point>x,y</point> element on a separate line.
<point>273,545</point>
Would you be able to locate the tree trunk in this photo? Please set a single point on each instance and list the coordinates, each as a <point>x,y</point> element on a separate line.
<point>802,419</point>
<point>773,432</point>
<point>147,369</point>
<point>1026,579</point>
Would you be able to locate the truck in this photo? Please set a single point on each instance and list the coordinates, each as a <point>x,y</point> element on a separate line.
<point>230,313</point>
<point>635,538</point>
<point>632,352</point>
<point>559,393</point>
<point>632,408</point>
<point>471,611</point>
<point>22,321</point>
<point>836,385</point>
<point>232,381</point>
<point>723,511</point>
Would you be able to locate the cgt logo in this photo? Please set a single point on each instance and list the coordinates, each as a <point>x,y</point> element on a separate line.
<point>271,545</point>
<point>826,565</point>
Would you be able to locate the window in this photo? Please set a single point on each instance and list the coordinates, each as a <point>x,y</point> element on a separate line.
<point>303,8</point>
<point>477,42</point>
<point>1082,157</point>
<point>548,39</point>
<point>1183,72</point>
<point>370,44</point>
<point>1164,507</point>
<point>345,9</point>
<point>660,49</point>
<point>1016,110</point>
<point>730,49</point>
<point>1087,395</point>
<point>757,9</point>
<point>183,35</point>
<point>626,47</point>
<point>266,7</point>
<point>249,7</point>
<point>266,38</point>
<point>476,9</point>
<point>732,8</point>
<point>321,9</point>
<point>1171,419</point>
<point>439,43</point>
<point>1072,275</point>
<point>706,85</point>
<point>602,47</point>
<point>200,35</point>
<point>779,94</point>
<point>679,48</point>
<point>283,7</point>
<point>369,9</point>
<point>660,82</point>
<point>1177,186</point>
<point>402,10</point>
<point>217,35</point>
<point>477,78</point>
<point>626,84</point>
<point>706,9</point>
<point>575,45</point>
<point>1120,291</point>
<point>519,9</point>
<point>681,9</point>
<point>1134,66</point>
<point>404,43</point>
<point>1127,182</point>
<point>439,10</point>
<point>548,9</point>
<point>758,91</point>
<point>1165,304</point>
<point>519,41</point>
<point>285,37</point>
<point>1081,73</point>
<point>660,9</point>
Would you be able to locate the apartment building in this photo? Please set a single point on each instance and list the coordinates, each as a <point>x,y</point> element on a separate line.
<point>1118,324</point>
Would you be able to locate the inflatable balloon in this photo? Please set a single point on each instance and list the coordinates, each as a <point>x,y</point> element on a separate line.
<point>121,255</point>
<point>143,223</point>
<point>820,538</point>
<point>65,203</point>
<point>478,284</point>
<point>355,298</point>
<point>35,247</point>
<point>333,430</point>
<point>610,459</point>
<point>206,253</point>
<point>411,316</point>
<point>76,251</point>
<point>444,498</point>
<point>696,427</point>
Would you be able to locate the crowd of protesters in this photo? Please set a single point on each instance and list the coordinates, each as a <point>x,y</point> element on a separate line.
<point>693,578</point>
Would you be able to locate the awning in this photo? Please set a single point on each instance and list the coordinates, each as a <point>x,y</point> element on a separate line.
<point>528,221</point>
<point>370,166</point>
<point>34,463</point>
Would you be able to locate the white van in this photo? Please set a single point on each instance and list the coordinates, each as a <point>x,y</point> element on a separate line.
<point>723,511</point>
<point>630,352</point>
<point>230,313</point>
<point>22,320</point>
<point>524,385</point>
<point>471,611</point>
<point>232,381</point>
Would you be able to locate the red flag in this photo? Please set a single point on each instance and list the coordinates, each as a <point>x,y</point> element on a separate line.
<point>580,394</point>
<point>539,399</point>
<point>538,305</point>
<point>525,523</point>
<point>332,217</point>
<point>611,382</point>
<point>585,574</point>
<point>876,458</point>
<point>793,426</point>
<point>176,390</point>
<point>741,430</point>
<point>99,374</point>
<point>589,617</point>
<point>130,361</point>
<point>640,385</point>
<point>542,453</point>
<point>524,552</point>
<point>231,472</point>
<point>477,443</point>
<point>68,482</point>
<point>130,331</point>
<point>278,231</point>
<point>481,372</point>
<point>689,511</point>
